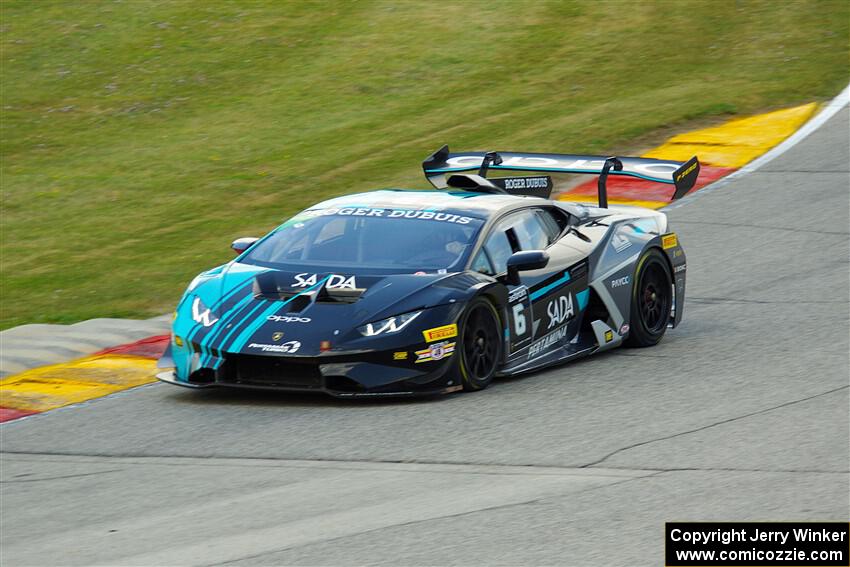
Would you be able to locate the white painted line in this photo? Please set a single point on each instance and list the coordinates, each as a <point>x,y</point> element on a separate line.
<point>829,110</point>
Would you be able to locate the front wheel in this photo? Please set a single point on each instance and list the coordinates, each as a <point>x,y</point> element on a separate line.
<point>652,297</point>
<point>480,345</point>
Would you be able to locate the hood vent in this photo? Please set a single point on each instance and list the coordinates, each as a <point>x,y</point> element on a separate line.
<point>338,295</point>
<point>299,303</point>
<point>276,287</point>
<point>268,288</point>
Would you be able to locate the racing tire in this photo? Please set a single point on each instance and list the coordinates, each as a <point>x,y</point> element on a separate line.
<point>479,345</point>
<point>652,298</point>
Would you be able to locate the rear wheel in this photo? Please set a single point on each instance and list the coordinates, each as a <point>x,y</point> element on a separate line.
<point>480,345</point>
<point>652,297</point>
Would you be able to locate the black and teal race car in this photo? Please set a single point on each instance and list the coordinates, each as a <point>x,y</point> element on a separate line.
<point>403,292</point>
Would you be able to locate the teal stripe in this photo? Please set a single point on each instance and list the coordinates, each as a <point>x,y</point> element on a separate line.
<point>219,325</point>
<point>228,294</point>
<point>246,333</point>
<point>231,315</point>
<point>582,298</point>
<point>225,296</point>
<point>227,318</point>
<point>546,289</point>
<point>243,337</point>
<point>206,344</point>
<point>233,330</point>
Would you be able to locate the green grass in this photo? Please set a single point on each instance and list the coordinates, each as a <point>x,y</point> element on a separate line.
<point>139,138</point>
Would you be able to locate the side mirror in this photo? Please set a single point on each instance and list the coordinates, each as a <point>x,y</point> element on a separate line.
<point>524,261</point>
<point>241,244</point>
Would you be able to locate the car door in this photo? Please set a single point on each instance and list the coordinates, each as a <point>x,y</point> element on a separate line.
<point>519,230</point>
<point>538,306</point>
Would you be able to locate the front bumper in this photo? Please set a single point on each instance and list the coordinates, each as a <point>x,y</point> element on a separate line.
<point>372,375</point>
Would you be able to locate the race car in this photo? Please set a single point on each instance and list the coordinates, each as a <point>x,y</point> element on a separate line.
<point>406,292</point>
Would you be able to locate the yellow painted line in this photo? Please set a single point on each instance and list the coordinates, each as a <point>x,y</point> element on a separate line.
<point>594,201</point>
<point>49,387</point>
<point>42,394</point>
<point>737,142</point>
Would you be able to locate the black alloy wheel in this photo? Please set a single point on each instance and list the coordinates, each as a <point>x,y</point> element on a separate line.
<point>481,345</point>
<point>652,298</point>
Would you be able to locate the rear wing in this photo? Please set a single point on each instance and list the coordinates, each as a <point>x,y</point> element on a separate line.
<point>444,169</point>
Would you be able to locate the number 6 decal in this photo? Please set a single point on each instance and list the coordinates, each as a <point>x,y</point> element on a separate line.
<point>519,319</point>
<point>519,304</point>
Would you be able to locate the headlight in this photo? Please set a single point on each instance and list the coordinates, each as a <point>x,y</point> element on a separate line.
<point>202,314</point>
<point>388,325</point>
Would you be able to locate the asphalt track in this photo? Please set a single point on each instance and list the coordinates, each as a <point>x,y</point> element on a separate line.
<point>740,414</point>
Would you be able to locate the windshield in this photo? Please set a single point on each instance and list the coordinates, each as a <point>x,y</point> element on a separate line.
<point>386,239</point>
